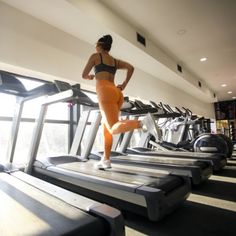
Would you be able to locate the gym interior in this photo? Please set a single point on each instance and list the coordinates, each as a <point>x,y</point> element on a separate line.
<point>179,183</point>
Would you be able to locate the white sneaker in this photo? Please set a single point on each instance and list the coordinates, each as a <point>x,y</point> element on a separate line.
<point>103,165</point>
<point>149,124</point>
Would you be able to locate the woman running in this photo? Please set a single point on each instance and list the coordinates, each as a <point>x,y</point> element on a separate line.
<point>110,96</point>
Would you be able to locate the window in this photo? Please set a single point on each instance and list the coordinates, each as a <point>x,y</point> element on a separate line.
<point>7,104</point>
<point>5,127</point>
<point>54,139</point>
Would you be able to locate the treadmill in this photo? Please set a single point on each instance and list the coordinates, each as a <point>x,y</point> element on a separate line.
<point>34,207</point>
<point>12,84</point>
<point>217,160</point>
<point>153,194</point>
<point>197,171</point>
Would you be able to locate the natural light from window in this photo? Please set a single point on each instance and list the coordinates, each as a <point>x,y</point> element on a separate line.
<point>54,137</point>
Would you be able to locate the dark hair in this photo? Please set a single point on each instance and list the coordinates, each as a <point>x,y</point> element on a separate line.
<point>105,42</point>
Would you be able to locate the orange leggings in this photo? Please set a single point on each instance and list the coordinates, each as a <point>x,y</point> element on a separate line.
<point>110,99</point>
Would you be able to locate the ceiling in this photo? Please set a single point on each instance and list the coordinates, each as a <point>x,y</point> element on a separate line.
<point>189,30</point>
<point>186,30</point>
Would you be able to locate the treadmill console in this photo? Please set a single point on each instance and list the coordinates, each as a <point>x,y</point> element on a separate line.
<point>62,85</point>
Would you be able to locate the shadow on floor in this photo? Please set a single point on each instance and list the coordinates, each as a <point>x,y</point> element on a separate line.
<point>217,189</point>
<point>192,218</point>
<point>189,220</point>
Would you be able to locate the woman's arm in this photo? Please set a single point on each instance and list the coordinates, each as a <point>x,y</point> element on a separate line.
<point>90,64</point>
<point>130,69</point>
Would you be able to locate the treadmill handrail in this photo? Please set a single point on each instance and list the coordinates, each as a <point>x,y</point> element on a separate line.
<point>59,97</point>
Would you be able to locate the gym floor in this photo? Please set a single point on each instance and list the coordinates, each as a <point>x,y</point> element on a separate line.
<point>209,211</point>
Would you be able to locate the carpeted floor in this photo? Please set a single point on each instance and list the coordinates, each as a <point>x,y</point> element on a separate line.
<point>209,211</point>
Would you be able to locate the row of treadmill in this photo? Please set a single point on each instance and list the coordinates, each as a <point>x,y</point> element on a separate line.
<point>66,195</point>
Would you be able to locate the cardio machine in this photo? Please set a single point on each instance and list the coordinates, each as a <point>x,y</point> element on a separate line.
<point>216,160</point>
<point>31,206</point>
<point>153,194</point>
<point>193,169</point>
<point>181,134</point>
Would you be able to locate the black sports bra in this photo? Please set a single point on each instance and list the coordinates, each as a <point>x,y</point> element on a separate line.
<point>103,67</point>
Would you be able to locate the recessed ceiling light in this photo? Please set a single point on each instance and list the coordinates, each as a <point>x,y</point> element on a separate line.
<point>234,97</point>
<point>181,31</point>
<point>229,92</point>
<point>203,59</point>
<point>224,85</point>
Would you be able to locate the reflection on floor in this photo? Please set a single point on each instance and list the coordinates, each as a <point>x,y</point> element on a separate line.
<point>209,211</point>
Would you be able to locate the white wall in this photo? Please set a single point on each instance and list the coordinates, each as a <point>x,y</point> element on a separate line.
<point>151,58</point>
<point>33,47</point>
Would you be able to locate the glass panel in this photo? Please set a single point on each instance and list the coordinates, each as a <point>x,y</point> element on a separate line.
<point>5,127</point>
<point>55,136</point>
<point>29,84</point>
<point>58,111</point>
<point>23,142</point>
<point>7,104</point>
<point>32,108</point>
<point>54,141</point>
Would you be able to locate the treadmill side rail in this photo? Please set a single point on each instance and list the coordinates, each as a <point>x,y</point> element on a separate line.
<point>165,203</point>
<point>113,216</point>
<point>154,199</point>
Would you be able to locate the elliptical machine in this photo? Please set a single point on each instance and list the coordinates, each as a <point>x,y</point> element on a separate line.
<point>229,143</point>
<point>178,135</point>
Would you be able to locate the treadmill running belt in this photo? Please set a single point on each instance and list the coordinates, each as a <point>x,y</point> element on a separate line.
<point>119,173</point>
<point>25,210</point>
